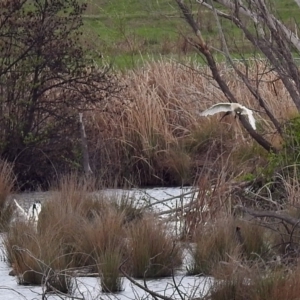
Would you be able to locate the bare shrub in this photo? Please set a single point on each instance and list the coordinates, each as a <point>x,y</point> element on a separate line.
<point>47,79</point>
<point>153,251</point>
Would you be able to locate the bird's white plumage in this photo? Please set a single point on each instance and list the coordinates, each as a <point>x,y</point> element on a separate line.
<point>220,107</point>
<point>235,108</point>
<point>33,211</point>
<point>21,210</point>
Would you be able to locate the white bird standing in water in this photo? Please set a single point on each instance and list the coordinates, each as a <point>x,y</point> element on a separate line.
<point>33,211</point>
<point>231,108</point>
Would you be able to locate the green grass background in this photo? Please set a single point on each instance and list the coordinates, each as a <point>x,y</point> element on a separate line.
<point>130,32</point>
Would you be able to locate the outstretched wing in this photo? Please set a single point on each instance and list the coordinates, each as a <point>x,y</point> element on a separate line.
<point>220,107</point>
<point>251,119</point>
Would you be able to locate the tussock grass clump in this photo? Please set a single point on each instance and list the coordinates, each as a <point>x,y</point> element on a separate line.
<point>214,243</point>
<point>103,235</point>
<point>36,259</point>
<point>76,230</point>
<point>111,259</point>
<point>53,245</point>
<point>7,180</point>
<point>23,253</point>
<point>130,208</point>
<point>255,284</point>
<point>225,240</point>
<point>154,252</point>
<point>254,240</point>
<point>231,289</point>
<point>235,284</point>
<point>278,285</point>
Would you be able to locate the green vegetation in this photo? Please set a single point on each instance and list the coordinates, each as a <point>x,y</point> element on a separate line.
<point>287,161</point>
<point>130,32</point>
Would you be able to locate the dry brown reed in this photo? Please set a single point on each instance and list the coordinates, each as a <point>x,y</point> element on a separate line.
<point>154,252</point>
<point>38,259</point>
<point>21,249</point>
<point>278,285</point>
<point>7,180</point>
<point>153,133</point>
<point>254,284</point>
<point>219,183</point>
<point>222,245</point>
<point>56,244</point>
<point>255,241</point>
<point>81,230</point>
<point>214,243</point>
<point>234,286</point>
<point>103,234</point>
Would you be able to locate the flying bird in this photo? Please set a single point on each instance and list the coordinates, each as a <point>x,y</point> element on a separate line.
<point>231,108</point>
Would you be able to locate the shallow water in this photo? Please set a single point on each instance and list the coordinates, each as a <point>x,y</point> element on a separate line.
<point>141,196</point>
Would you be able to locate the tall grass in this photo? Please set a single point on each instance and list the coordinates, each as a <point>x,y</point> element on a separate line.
<point>255,284</point>
<point>111,259</point>
<point>153,134</point>
<point>7,181</point>
<point>81,230</point>
<point>215,243</point>
<point>38,258</point>
<point>154,253</point>
<point>220,243</point>
<point>54,245</point>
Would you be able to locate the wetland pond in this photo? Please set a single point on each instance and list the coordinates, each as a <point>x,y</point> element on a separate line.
<point>89,288</point>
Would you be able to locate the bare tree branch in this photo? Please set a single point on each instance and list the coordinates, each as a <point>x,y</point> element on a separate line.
<point>152,293</point>
<point>269,214</point>
<point>203,48</point>
<point>254,91</point>
<point>257,19</point>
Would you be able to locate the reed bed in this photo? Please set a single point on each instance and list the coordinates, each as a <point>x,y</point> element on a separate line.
<point>7,181</point>
<point>153,134</point>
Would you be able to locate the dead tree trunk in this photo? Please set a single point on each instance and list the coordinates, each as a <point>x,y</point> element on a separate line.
<point>86,160</point>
